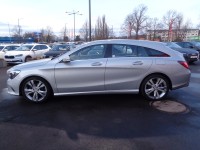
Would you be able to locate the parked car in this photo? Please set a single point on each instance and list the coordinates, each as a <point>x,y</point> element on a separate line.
<point>189,54</point>
<point>191,44</point>
<point>7,47</point>
<point>57,49</point>
<point>107,66</point>
<point>25,53</point>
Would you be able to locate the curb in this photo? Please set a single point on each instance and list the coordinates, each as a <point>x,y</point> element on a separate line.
<point>3,63</point>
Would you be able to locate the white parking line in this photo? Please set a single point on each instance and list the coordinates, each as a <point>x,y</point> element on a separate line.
<point>195,75</point>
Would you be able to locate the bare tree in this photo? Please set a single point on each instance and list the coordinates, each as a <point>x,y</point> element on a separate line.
<point>64,33</point>
<point>178,24</point>
<point>198,26</point>
<point>84,31</point>
<point>101,29</point>
<point>47,35</point>
<point>187,25</point>
<point>139,15</point>
<point>42,37</point>
<point>28,35</point>
<point>169,19</point>
<point>128,25</point>
<point>153,25</point>
<point>135,21</point>
<point>16,32</point>
<point>111,33</point>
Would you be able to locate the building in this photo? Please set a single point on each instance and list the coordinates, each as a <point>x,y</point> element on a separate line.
<point>174,35</point>
<point>15,40</point>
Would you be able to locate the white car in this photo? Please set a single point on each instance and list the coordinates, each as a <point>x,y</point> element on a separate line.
<point>26,52</point>
<point>7,47</point>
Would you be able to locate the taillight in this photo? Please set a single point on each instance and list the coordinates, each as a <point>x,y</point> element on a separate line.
<point>184,64</point>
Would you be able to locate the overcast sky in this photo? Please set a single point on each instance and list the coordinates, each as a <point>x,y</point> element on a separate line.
<point>34,15</point>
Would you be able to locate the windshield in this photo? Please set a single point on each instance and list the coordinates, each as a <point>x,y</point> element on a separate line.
<point>24,48</point>
<point>60,48</point>
<point>1,47</point>
<point>197,44</point>
<point>172,45</point>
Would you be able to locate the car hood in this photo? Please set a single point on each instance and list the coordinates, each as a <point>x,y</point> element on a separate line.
<point>31,64</point>
<point>186,50</point>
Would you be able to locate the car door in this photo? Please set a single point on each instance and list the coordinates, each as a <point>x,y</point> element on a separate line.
<point>44,49</point>
<point>84,73</point>
<point>126,67</point>
<point>36,51</point>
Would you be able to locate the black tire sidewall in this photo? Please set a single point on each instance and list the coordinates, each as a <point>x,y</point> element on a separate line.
<point>27,58</point>
<point>142,89</point>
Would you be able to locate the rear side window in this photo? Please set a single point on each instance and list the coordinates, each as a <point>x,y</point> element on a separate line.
<point>187,45</point>
<point>148,52</point>
<point>37,47</point>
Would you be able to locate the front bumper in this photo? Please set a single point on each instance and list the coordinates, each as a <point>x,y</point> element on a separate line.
<point>13,87</point>
<point>14,61</point>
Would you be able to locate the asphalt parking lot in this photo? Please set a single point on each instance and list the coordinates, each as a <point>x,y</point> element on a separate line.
<point>96,122</point>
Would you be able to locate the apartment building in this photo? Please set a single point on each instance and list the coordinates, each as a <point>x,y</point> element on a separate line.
<point>166,35</point>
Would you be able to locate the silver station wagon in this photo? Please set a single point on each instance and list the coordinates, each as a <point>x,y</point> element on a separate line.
<point>105,66</point>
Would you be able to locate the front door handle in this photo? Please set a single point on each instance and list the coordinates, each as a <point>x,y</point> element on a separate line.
<point>96,64</point>
<point>138,63</point>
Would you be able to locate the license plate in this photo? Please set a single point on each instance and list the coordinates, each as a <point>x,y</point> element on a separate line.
<point>193,57</point>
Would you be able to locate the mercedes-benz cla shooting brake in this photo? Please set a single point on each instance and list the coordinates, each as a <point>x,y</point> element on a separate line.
<point>107,66</point>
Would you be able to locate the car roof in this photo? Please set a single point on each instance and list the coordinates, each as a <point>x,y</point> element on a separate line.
<point>33,44</point>
<point>144,43</point>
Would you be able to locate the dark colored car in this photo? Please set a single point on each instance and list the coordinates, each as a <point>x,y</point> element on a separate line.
<point>57,49</point>
<point>191,44</point>
<point>189,54</point>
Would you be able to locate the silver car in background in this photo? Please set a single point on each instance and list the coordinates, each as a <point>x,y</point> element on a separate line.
<point>107,66</point>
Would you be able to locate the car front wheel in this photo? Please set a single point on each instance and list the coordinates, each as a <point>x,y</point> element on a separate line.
<point>35,89</point>
<point>28,58</point>
<point>155,87</point>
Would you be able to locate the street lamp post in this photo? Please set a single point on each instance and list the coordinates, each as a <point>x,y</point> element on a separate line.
<point>74,13</point>
<point>90,20</point>
<point>19,29</point>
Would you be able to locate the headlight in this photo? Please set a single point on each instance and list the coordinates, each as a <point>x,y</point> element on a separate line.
<point>13,74</point>
<point>19,55</point>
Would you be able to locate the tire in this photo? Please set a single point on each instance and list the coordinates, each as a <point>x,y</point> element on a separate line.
<point>36,89</point>
<point>28,58</point>
<point>155,87</point>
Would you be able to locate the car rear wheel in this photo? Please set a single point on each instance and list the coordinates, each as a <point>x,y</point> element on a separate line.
<point>36,89</point>
<point>155,87</point>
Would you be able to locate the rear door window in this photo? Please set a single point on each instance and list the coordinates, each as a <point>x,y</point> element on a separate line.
<point>121,50</point>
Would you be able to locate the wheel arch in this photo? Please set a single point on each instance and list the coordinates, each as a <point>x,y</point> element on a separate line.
<point>28,56</point>
<point>21,84</point>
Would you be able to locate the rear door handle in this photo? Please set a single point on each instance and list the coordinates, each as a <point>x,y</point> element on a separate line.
<point>96,64</point>
<point>138,63</point>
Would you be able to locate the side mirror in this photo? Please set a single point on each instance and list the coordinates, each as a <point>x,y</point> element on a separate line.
<point>66,59</point>
<point>34,50</point>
